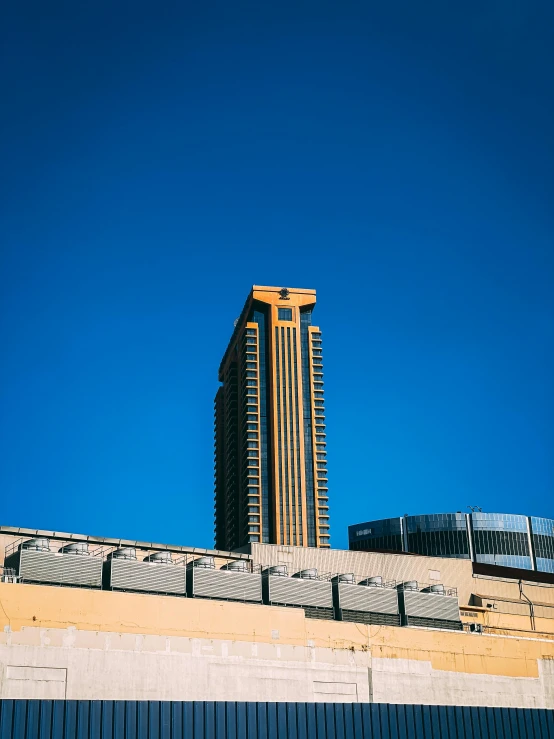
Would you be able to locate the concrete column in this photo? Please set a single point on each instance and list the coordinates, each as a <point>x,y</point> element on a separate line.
<point>469,528</point>
<point>530,540</point>
<point>404,531</point>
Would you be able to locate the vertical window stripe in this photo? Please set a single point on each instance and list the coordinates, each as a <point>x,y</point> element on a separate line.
<point>279,442</point>
<point>297,419</point>
<point>260,318</point>
<point>284,444</point>
<point>305,322</point>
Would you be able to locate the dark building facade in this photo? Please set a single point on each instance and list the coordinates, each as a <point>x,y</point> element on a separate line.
<point>81,719</point>
<point>501,539</point>
<point>270,441</point>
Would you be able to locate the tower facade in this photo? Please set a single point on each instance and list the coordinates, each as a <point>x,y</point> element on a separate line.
<point>270,443</point>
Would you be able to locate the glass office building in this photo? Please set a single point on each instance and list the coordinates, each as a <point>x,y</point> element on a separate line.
<point>438,535</point>
<point>270,442</point>
<point>502,539</point>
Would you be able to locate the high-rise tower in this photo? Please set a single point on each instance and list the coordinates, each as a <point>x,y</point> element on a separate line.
<point>270,448</point>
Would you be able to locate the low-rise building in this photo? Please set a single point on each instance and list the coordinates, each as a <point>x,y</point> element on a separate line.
<point>226,643</point>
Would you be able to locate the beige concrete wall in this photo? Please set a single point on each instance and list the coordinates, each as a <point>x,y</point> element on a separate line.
<point>65,642</point>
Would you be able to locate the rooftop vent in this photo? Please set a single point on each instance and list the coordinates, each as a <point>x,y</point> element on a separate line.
<point>37,545</point>
<point>160,558</point>
<point>77,547</point>
<point>347,578</point>
<point>278,571</point>
<point>205,563</point>
<point>438,589</point>
<point>310,574</point>
<point>372,582</point>
<point>408,585</point>
<point>238,566</point>
<point>123,553</point>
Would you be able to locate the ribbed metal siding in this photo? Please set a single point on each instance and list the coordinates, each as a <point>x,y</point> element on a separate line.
<point>225,585</point>
<point>434,623</point>
<point>47,719</point>
<point>59,569</point>
<point>372,618</point>
<point>296,592</point>
<point>145,577</point>
<point>362,598</point>
<point>428,605</point>
<point>399,567</point>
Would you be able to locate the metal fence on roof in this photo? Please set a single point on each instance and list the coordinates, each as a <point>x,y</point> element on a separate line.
<point>83,719</point>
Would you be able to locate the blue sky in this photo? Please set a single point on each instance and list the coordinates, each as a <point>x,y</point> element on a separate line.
<point>159,159</point>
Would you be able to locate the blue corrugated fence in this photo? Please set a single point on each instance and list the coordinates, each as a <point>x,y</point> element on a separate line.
<point>82,719</point>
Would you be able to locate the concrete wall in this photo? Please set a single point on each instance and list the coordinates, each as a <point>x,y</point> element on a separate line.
<point>73,643</point>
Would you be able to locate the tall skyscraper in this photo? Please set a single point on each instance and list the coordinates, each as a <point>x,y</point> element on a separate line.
<point>270,448</point>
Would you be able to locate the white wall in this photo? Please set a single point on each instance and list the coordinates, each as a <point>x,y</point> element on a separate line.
<point>78,664</point>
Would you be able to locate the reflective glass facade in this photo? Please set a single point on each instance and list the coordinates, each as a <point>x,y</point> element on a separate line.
<point>542,532</point>
<point>501,539</point>
<point>385,534</point>
<point>438,535</point>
